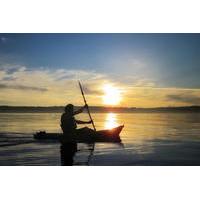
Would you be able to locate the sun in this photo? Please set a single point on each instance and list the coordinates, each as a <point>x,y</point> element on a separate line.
<point>112,95</point>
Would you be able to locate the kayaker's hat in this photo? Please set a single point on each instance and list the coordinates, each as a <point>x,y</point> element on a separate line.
<point>69,108</point>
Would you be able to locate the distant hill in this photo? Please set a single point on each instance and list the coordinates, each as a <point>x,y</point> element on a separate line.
<point>60,109</point>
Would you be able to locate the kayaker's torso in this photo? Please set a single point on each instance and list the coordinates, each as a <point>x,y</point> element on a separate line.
<point>68,123</point>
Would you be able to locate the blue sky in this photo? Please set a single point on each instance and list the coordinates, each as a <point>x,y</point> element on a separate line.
<point>159,60</point>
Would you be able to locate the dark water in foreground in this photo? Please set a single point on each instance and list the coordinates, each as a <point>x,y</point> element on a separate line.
<point>148,139</point>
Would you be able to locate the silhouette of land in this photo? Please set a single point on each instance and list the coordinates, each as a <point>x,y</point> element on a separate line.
<point>98,109</point>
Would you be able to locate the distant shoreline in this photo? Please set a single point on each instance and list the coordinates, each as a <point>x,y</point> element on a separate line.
<point>99,109</point>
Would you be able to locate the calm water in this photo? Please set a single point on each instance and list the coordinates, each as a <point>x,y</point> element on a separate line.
<point>148,139</point>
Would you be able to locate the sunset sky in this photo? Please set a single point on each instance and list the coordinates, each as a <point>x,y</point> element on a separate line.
<point>139,70</point>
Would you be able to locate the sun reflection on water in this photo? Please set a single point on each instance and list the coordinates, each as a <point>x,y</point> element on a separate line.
<point>111,120</point>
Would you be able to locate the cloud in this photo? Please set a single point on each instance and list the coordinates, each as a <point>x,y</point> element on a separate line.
<point>63,74</point>
<point>42,86</point>
<point>144,83</point>
<point>22,87</point>
<point>145,96</point>
<point>185,98</point>
<point>91,91</point>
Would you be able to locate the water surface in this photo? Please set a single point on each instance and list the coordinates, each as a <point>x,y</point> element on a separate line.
<point>148,139</point>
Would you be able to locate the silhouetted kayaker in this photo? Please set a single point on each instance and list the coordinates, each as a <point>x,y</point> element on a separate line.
<point>68,121</point>
<point>69,127</point>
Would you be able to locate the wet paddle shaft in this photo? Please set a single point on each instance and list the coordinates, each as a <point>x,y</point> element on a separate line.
<point>87,106</point>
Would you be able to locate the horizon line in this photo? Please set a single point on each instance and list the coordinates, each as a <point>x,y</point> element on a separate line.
<point>113,107</point>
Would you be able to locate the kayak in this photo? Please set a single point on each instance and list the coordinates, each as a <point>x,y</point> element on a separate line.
<point>89,136</point>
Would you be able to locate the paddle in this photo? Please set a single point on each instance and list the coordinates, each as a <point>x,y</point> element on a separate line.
<point>87,106</point>
<point>92,149</point>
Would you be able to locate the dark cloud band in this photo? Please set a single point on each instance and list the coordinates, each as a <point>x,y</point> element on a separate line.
<point>22,87</point>
<point>192,99</point>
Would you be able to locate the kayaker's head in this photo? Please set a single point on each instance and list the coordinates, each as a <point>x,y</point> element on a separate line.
<point>69,108</point>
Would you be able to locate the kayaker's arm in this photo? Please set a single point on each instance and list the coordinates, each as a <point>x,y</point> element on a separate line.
<point>83,122</point>
<point>80,110</point>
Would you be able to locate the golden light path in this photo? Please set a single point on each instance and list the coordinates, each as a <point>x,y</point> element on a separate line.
<point>111,121</point>
<point>111,95</point>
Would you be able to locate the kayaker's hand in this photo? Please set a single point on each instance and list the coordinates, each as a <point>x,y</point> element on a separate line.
<point>90,122</point>
<point>85,106</point>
